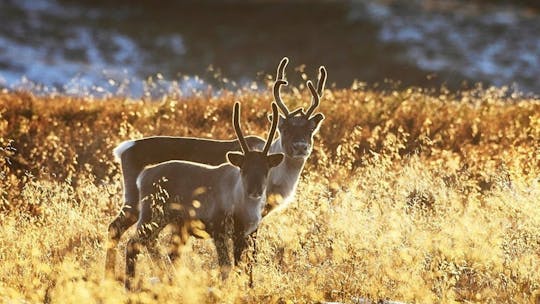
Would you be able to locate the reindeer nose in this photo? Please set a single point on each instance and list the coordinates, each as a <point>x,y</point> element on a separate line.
<point>255,195</point>
<point>300,147</point>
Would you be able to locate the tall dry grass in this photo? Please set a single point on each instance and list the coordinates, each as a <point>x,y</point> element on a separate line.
<point>410,195</point>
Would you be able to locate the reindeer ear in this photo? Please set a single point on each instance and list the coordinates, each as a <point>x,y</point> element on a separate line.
<point>317,119</point>
<point>274,159</point>
<point>235,158</point>
<point>281,119</point>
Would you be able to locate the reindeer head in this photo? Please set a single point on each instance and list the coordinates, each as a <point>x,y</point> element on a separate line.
<point>254,165</point>
<point>297,128</point>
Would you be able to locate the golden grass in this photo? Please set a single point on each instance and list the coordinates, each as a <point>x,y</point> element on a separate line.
<point>409,195</point>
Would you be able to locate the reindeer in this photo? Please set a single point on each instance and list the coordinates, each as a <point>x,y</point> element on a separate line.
<point>182,193</point>
<point>296,130</point>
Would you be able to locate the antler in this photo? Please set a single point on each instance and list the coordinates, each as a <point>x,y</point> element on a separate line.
<point>275,118</point>
<point>236,123</point>
<point>317,94</point>
<point>281,68</point>
<point>315,102</point>
<point>277,96</point>
<point>280,80</point>
<point>322,80</point>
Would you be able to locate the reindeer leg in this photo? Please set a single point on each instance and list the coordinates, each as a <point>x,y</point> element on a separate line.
<point>240,244</point>
<point>220,240</point>
<point>146,237</point>
<point>133,248</point>
<point>179,239</point>
<point>221,233</point>
<point>158,259</point>
<point>253,259</point>
<point>148,228</point>
<point>125,219</point>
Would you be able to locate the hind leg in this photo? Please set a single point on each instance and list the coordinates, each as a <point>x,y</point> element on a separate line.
<point>158,260</point>
<point>125,219</point>
<point>133,248</point>
<point>148,229</point>
<point>180,236</point>
<point>144,238</point>
<point>128,214</point>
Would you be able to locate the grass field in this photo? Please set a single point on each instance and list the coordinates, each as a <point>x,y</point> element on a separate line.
<point>410,195</point>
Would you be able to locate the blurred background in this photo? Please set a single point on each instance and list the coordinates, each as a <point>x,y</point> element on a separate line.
<point>132,47</point>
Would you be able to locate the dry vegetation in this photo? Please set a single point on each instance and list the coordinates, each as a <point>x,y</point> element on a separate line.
<point>409,195</point>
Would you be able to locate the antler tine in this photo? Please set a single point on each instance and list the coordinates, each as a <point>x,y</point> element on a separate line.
<point>237,129</point>
<point>280,80</point>
<point>281,68</point>
<point>315,101</point>
<point>277,96</point>
<point>322,80</point>
<point>299,110</point>
<point>275,118</point>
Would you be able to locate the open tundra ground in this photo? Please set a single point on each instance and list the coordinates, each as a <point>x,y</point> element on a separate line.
<point>410,195</point>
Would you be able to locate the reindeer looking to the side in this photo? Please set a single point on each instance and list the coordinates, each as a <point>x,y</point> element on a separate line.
<point>296,132</point>
<point>224,201</point>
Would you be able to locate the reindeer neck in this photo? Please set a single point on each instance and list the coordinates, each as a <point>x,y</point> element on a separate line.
<point>284,178</point>
<point>288,164</point>
<point>233,189</point>
<point>245,210</point>
<point>230,183</point>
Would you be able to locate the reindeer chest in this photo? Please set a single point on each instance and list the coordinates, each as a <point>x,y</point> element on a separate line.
<point>282,184</point>
<point>248,219</point>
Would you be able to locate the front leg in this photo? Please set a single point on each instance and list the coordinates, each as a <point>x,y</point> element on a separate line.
<point>253,258</point>
<point>240,243</point>
<point>222,248</point>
